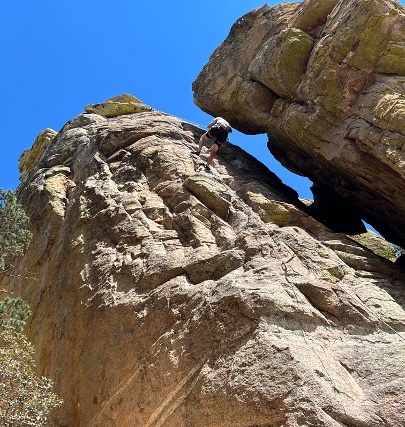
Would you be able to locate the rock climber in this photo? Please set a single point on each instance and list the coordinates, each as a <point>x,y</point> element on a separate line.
<point>218,129</point>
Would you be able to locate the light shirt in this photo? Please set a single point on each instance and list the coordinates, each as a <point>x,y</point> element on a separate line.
<point>220,122</point>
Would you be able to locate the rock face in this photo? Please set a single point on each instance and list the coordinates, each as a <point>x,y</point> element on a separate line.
<point>168,296</point>
<point>326,80</point>
<point>30,157</point>
<point>118,106</point>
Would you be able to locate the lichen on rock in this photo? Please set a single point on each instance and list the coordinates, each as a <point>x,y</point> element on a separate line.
<point>31,156</point>
<point>325,80</point>
<point>117,106</point>
<point>168,296</point>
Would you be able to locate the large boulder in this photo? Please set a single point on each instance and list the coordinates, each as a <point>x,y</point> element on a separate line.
<point>167,296</point>
<point>326,80</point>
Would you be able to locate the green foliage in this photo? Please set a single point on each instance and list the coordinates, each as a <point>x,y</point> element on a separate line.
<point>25,399</point>
<point>391,252</point>
<point>398,250</point>
<point>13,314</point>
<point>14,235</point>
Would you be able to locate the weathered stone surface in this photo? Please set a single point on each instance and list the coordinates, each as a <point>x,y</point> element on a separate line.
<point>326,80</point>
<point>30,157</point>
<point>118,106</point>
<point>377,244</point>
<point>168,297</point>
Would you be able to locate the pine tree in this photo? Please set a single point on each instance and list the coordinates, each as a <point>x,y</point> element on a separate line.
<point>14,235</point>
<point>25,398</point>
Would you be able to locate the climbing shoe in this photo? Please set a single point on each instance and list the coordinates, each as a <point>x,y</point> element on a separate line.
<point>196,152</point>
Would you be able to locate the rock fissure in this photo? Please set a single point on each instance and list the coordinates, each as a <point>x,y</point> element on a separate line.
<point>363,81</point>
<point>217,298</point>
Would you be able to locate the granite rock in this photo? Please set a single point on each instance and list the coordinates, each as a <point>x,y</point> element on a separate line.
<point>165,295</point>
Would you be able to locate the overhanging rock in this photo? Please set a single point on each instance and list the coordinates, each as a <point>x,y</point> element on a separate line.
<point>326,81</point>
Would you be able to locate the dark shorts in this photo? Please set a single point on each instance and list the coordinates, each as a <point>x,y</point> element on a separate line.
<point>219,133</point>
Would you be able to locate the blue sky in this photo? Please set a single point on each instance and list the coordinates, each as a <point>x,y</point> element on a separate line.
<point>59,56</point>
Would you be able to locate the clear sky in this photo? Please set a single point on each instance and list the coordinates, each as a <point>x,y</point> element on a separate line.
<point>59,56</point>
